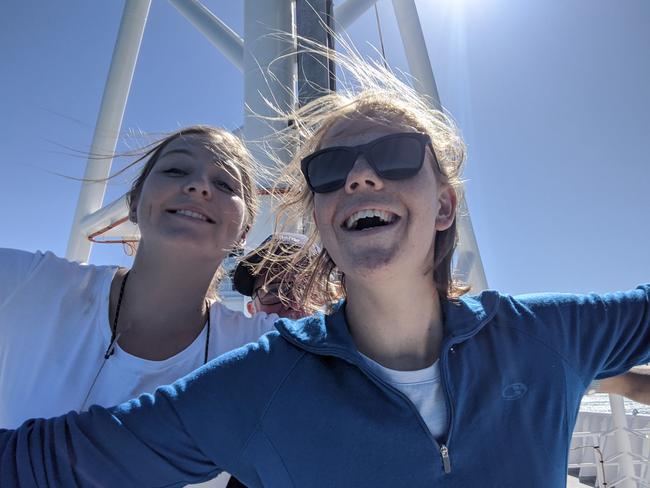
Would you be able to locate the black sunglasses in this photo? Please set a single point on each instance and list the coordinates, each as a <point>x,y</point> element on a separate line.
<point>393,157</point>
<point>270,295</point>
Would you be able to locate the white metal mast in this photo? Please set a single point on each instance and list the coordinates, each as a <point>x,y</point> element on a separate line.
<point>109,122</point>
<point>259,47</point>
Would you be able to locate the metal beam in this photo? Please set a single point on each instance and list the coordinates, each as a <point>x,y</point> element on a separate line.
<point>626,471</point>
<point>469,265</point>
<point>214,29</point>
<point>269,75</point>
<point>316,75</point>
<point>349,11</point>
<point>110,222</point>
<point>109,122</point>
<point>416,49</point>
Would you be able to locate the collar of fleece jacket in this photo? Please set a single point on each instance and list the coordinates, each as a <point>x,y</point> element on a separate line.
<point>321,334</point>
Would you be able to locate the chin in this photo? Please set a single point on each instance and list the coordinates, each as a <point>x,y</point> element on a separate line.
<point>191,246</point>
<point>373,263</point>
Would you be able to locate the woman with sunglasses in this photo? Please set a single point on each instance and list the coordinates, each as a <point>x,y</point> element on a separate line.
<point>456,391</point>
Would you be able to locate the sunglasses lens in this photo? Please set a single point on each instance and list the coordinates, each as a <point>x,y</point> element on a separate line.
<point>397,158</point>
<point>328,170</point>
<point>271,294</point>
<point>394,157</point>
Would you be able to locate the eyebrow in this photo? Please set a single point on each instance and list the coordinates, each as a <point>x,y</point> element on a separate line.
<point>176,151</point>
<point>218,161</point>
<point>225,164</point>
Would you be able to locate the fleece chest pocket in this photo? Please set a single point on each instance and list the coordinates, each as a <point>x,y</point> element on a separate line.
<point>506,376</point>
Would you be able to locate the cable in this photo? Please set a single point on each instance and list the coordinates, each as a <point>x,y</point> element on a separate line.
<point>381,37</point>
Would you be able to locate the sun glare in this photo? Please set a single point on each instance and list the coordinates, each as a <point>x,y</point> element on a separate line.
<point>453,7</point>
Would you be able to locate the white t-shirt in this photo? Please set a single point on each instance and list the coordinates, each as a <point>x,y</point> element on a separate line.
<point>423,388</point>
<point>54,331</point>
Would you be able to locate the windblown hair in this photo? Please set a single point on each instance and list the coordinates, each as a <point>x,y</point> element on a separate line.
<point>280,263</point>
<point>367,91</point>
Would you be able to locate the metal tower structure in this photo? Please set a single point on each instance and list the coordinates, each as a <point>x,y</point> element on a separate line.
<point>303,77</point>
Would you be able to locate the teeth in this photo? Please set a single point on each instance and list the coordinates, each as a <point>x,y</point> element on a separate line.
<point>194,215</point>
<point>352,220</point>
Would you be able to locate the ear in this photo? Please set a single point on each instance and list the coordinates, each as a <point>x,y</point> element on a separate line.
<point>244,235</point>
<point>249,308</point>
<point>448,204</point>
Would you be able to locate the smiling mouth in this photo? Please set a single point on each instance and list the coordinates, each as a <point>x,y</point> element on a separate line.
<point>369,219</point>
<point>193,215</point>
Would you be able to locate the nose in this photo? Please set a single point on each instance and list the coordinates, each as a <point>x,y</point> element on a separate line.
<point>362,176</point>
<point>198,184</point>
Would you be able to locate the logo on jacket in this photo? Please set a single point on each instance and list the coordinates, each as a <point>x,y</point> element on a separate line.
<point>514,391</point>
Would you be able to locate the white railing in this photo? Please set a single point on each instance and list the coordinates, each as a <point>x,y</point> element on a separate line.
<point>608,465</point>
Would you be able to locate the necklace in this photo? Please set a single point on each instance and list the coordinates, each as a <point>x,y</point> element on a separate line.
<point>111,345</point>
<point>115,336</point>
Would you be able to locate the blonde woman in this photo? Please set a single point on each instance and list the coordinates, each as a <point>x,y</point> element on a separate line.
<point>406,383</point>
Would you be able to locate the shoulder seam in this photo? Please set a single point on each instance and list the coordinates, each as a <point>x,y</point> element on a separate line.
<point>537,339</point>
<point>257,426</point>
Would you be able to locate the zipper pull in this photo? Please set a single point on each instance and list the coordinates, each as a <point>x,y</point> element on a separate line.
<point>444,454</point>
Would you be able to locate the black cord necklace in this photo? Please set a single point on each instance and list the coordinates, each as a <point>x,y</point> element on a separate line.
<point>207,333</point>
<point>111,346</point>
<point>110,350</point>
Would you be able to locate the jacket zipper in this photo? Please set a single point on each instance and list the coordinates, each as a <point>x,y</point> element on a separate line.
<point>444,454</point>
<point>445,380</point>
<point>450,343</point>
<point>442,448</point>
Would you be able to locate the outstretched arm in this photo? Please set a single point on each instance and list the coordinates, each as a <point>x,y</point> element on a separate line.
<point>597,335</point>
<point>184,433</point>
<point>634,385</point>
<point>140,443</point>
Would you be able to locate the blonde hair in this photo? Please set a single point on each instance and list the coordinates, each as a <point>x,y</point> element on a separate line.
<point>369,91</point>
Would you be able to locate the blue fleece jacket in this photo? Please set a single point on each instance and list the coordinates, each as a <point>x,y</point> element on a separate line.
<point>301,409</point>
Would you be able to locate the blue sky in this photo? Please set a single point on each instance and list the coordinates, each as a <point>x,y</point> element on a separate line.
<point>551,95</point>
